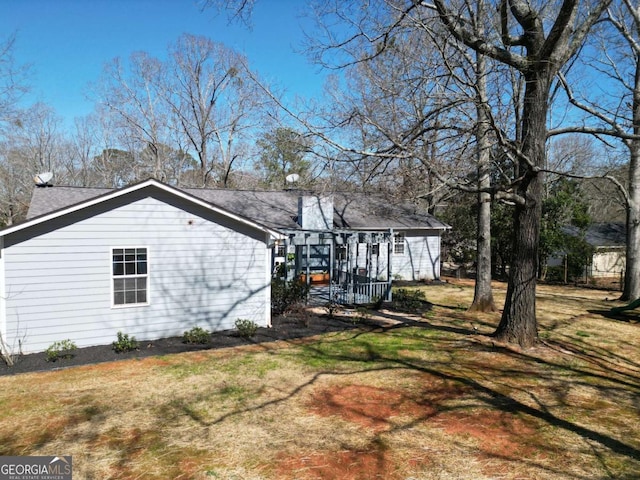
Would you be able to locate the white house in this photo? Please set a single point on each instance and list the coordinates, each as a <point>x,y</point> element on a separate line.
<point>153,261</point>
<point>148,260</point>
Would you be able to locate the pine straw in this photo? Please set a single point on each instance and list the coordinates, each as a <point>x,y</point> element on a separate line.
<point>437,401</point>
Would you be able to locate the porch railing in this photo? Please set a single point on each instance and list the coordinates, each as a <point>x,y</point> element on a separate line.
<point>355,289</point>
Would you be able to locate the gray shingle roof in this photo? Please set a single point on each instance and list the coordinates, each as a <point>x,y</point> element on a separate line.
<point>274,209</point>
<point>602,234</point>
<point>49,199</point>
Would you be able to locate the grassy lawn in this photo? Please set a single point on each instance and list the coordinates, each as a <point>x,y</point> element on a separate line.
<point>434,399</point>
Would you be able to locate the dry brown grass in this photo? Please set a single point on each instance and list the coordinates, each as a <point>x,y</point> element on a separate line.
<point>427,400</point>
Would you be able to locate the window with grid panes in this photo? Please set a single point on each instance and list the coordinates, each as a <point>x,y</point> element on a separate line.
<point>398,244</point>
<point>130,276</point>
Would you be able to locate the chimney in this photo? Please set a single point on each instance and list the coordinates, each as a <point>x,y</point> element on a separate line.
<point>315,212</point>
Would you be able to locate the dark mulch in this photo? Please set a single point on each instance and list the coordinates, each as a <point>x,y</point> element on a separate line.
<point>284,328</point>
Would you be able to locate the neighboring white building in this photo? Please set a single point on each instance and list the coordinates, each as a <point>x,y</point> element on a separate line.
<point>153,261</point>
<point>609,255</point>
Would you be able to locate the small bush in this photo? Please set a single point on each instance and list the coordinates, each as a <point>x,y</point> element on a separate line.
<point>410,301</point>
<point>287,294</point>
<point>8,352</point>
<point>124,343</point>
<point>246,328</point>
<point>197,335</point>
<point>62,349</point>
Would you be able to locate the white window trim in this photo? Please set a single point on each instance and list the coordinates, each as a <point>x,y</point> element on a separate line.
<point>399,240</point>
<point>112,277</point>
<point>277,250</point>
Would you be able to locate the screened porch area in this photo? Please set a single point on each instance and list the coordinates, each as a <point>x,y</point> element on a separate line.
<point>344,267</point>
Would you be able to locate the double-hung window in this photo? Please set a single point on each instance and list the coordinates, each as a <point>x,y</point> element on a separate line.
<point>130,276</point>
<point>398,243</point>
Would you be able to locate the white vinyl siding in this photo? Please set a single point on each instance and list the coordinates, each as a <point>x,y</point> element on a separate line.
<point>608,263</point>
<point>59,286</point>
<point>420,260</point>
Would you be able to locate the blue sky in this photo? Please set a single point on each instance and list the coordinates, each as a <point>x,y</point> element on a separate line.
<point>67,42</point>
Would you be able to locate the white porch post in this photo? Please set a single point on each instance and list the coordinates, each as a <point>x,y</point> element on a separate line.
<point>332,247</point>
<point>270,246</point>
<point>389,267</point>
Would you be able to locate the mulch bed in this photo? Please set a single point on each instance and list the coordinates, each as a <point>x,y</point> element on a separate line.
<point>284,328</point>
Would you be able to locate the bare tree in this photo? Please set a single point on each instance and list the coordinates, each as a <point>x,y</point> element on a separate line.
<point>537,41</point>
<point>38,137</point>
<point>133,97</point>
<point>33,146</point>
<point>401,118</point>
<point>12,82</point>
<point>615,113</point>
<point>534,41</point>
<point>198,104</point>
<point>214,103</point>
<point>82,150</point>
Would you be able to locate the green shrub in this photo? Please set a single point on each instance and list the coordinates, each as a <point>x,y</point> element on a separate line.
<point>62,349</point>
<point>197,335</point>
<point>410,301</point>
<point>124,343</point>
<point>246,328</point>
<point>287,294</point>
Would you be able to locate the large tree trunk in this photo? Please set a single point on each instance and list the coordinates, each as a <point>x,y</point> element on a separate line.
<point>518,323</point>
<point>632,270</point>
<point>543,45</point>
<point>483,295</point>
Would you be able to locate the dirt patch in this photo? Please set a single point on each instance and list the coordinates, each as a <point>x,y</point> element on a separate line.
<point>497,433</point>
<point>368,406</point>
<point>375,407</point>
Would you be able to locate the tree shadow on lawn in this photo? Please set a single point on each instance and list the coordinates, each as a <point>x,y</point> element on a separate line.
<point>609,378</point>
<point>628,316</point>
<point>495,390</point>
<point>500,387</point>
